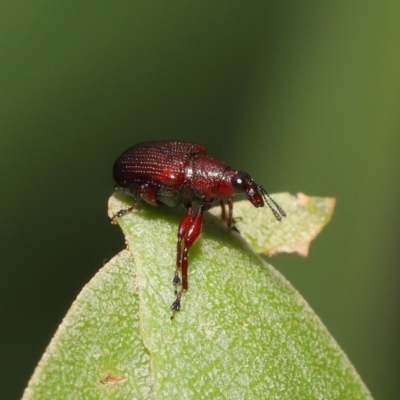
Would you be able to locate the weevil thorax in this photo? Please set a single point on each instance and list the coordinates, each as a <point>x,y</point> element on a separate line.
<point>204,174</point>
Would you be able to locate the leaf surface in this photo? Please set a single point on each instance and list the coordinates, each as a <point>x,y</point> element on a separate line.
<point>307,216</point>
<point>243,333</point>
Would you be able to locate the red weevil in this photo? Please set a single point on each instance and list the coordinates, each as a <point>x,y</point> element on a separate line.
<point>177,173</point>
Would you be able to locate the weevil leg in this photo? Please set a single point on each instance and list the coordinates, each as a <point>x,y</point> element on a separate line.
<point>190,236</point>
<point>143,192</point>
<point>232,221</point>
<point>148,194</point>
<point>176,305</point>
<point>223,211</point>
<point>189,230</point>
<point>121,213</point>
<point>183,226</point>
<point>228,219</point>
<point>131,191</point>
<point>230,211</point>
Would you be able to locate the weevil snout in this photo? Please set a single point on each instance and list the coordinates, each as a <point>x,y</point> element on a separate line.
<point>254,196</point>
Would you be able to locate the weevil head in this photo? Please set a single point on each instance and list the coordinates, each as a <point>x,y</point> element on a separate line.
<point>242,182</point>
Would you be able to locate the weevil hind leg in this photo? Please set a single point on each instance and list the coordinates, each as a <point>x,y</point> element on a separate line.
<point>121,213</point>
<point>148,194</point>
<point>131,191</point>
<point>143,192</point>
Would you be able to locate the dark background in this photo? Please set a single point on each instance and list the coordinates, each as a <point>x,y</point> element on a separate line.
<point>302,95</point>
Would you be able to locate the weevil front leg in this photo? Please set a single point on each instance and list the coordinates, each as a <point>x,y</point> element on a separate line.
<point>190,237</point>
<point>183,226</point>
<point>189,230</point>
<point>228,219</point>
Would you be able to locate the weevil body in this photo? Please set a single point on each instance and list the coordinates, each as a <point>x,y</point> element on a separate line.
<point>177,173</point>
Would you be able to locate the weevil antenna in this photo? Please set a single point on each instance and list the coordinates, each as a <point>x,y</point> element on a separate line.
<point>267,197</point>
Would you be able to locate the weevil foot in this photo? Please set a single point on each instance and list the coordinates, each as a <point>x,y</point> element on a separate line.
<point>176,281</point>
<point>234,222</point>
<point>176,305</point>
<point>121,213</point>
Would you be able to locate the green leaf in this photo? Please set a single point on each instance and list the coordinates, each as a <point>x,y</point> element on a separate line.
<point>98,341</point>
<point>243,332</point>
<point>307,217</point>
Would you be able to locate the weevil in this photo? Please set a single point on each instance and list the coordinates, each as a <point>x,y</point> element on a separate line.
<point>178,173</point>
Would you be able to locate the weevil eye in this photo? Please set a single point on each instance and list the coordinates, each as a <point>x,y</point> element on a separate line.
<point>241,181</point>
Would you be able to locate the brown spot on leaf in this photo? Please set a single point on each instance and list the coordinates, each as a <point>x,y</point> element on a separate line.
<point>110,378</point>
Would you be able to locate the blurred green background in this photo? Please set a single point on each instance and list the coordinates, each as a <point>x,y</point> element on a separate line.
<point>302,95</point>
